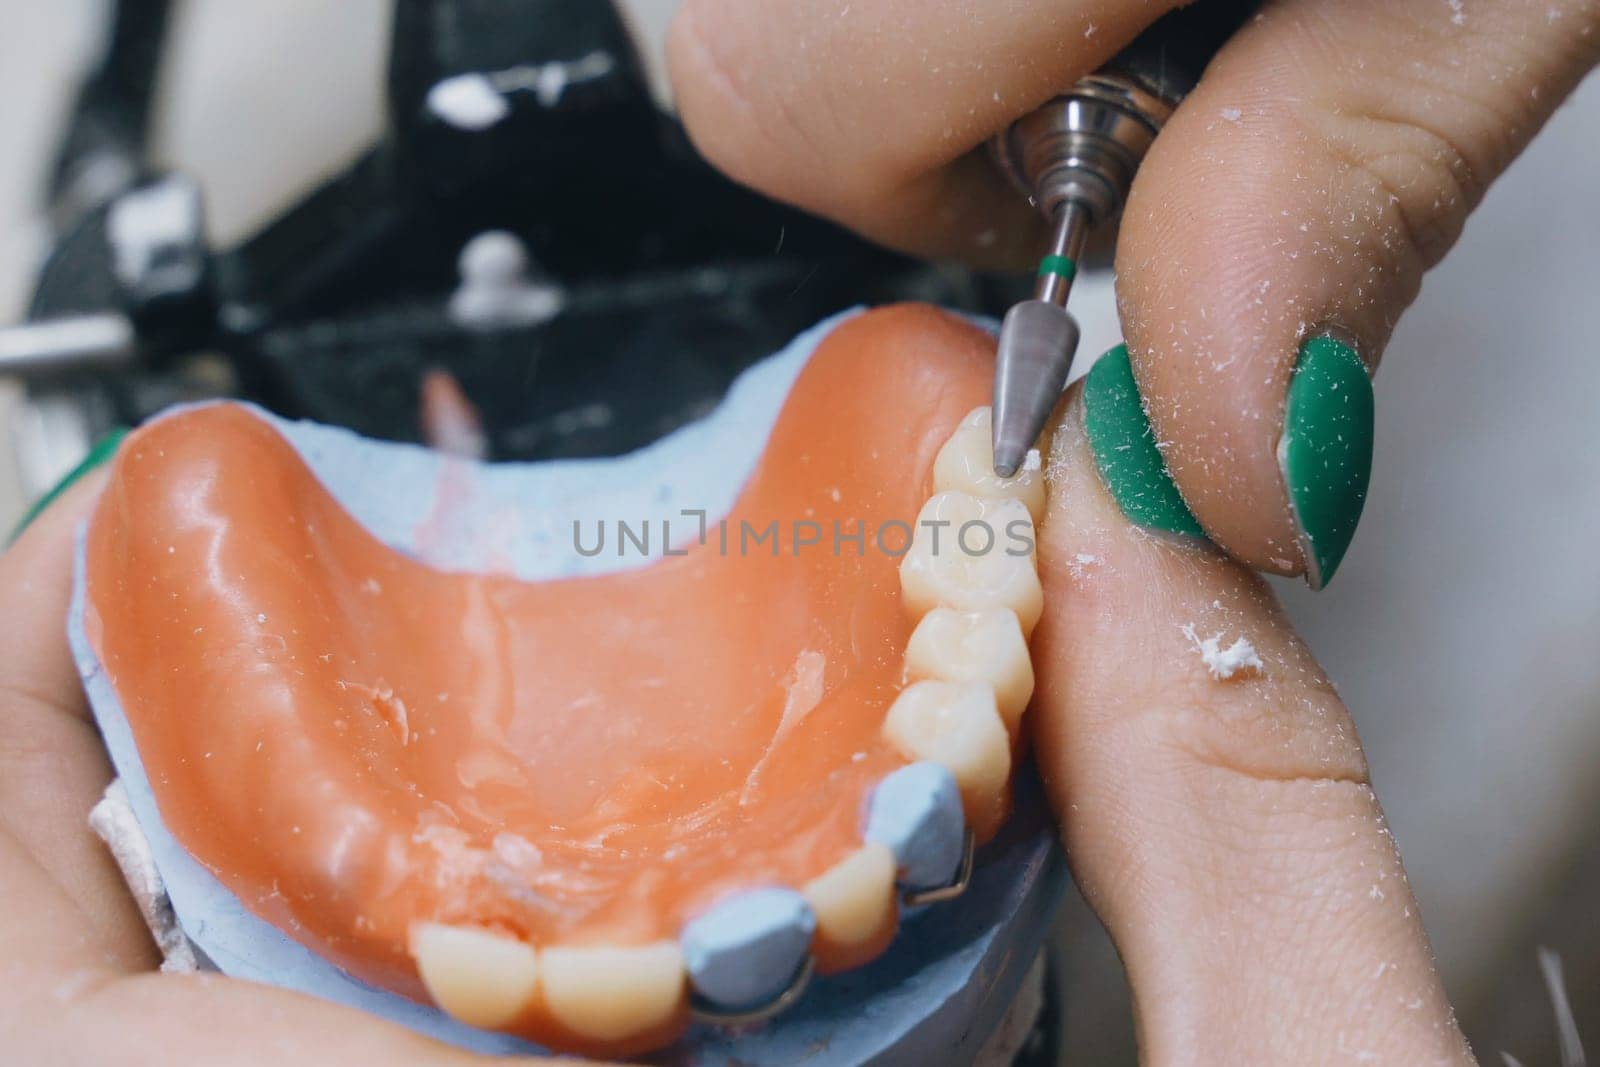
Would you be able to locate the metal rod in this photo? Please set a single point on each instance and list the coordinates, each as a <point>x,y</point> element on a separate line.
<point>76,342</point>
<point>1071,229</point>
<point>714,1016</point>
<point>957,885</point>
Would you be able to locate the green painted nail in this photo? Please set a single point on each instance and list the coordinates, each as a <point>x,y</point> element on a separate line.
<point>102,451</point>
<point>1125,450</point>
<point>1326,450</point>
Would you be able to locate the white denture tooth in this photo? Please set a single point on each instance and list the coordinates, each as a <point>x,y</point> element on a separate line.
<point>966,463</point>
<point>483,978</point>
<point>611,994</point>
<point>854,899</point>
<point>978,416</point>
<point>975,646</point>
<point>957,725</point>
<point>972,554</point>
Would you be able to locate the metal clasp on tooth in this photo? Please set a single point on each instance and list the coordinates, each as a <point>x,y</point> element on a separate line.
<point>917,898</point>
<point>701,1012</point>
<point>708,1014</point>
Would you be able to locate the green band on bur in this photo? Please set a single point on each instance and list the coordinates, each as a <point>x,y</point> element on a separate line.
<point>1058,265</point>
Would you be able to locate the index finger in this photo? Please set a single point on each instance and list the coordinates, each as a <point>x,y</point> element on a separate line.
<point>63,889</point>
<point>1215,802</point>
<point>868,112</point>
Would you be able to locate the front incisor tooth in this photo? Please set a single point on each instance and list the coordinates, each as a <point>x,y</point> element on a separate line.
<point>975,646</point>
<point>966,463</point>
<point>611,994</point>
<point>957,725</point>
<point>854,902</point>
<point>972,554</point>
<point>482,978</point>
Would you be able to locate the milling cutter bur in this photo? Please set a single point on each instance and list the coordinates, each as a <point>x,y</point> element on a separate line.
<point>1075,158</point>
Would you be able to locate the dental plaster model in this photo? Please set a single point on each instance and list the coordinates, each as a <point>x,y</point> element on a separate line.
<point>571,809</point>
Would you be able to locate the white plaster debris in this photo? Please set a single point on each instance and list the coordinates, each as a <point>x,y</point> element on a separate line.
<point>144,223</point>
<point>468,102</point>
<point>113,822</point>
<point>517,852</point>
<point>1224,663</point>
<point>1457,14</point>
<point>496,290</point>
<point>1231,114</point>
<point>591,67</point>
<point>549,81</point>
<point>1082,562</point>
<point>1033,461</point>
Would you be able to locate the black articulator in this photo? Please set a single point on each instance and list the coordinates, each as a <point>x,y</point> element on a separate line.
<point>626,283</point>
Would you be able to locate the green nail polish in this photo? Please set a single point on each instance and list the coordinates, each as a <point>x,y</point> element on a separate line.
<point>1326,451</point>
<point>1125,450</point>
<point>102,451</point>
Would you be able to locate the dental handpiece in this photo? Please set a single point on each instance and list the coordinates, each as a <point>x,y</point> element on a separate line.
<point>1075,159</point>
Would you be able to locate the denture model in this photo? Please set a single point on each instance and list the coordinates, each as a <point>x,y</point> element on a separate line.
<point>583,809</point>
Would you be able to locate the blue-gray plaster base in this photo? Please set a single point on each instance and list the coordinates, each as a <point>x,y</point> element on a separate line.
<point>744,950</point>
<point>916,813</point>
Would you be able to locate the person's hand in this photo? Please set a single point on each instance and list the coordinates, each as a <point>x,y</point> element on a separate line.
<point>1329,156</point>
<point>1223,828</point>
<point>78,978</point>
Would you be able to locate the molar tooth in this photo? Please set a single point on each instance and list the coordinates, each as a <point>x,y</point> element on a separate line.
<point>916,813</point>
<point>611,994</point>
<point>957,724</point>
<point>854,903</point>
<point>975,646</point>
<point>956,565</point>
<point>746,949</point>
<point>482,978</point>
<point>966,463</point>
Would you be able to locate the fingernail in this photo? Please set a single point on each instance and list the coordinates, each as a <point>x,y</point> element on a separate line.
<point>1125,450</point>
<point>1326,450</point>
<point>102,451</point>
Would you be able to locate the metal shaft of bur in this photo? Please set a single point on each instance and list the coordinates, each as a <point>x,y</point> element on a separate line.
<point>1071,230</point>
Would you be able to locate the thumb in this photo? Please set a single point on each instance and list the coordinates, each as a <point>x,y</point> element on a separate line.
<point>1215,804</point>
<point>1283,221</point>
